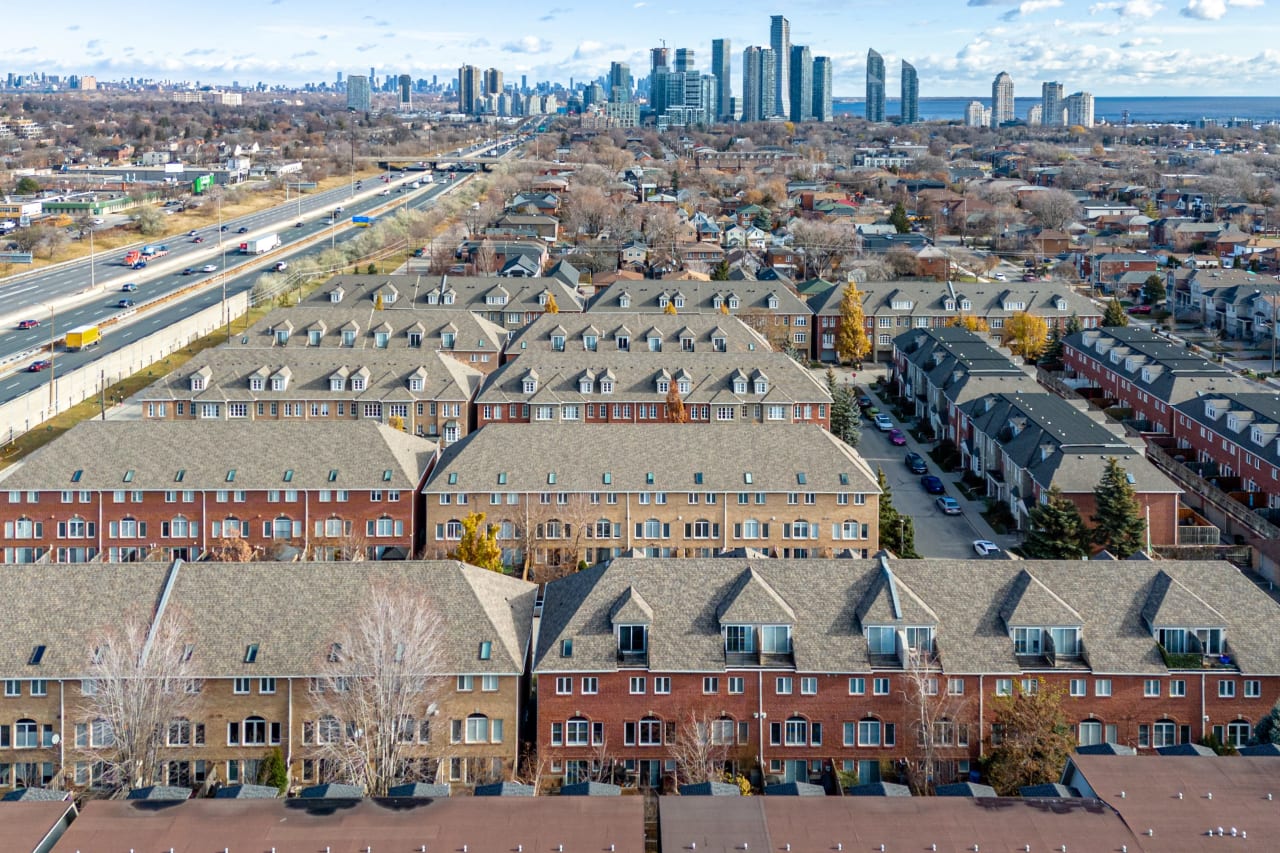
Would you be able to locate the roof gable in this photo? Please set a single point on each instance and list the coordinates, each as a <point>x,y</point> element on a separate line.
<point>751,600</point>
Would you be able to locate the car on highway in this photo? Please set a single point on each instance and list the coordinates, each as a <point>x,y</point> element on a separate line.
<point>915,462</point>
<point>128,287</point>
<point>197,239</point>
<point>985,547</point>
<point>189,271</point>
<point>209,268</point>
<point>125,303</point>
<point>98,220</point>
<point>191,233</point>
<point>896,437</point>
<point>1000,277</point>
<point>297,225</point>
<point>385,192</point>
<point>883,422</point>
<point>337,210</point>
<point>28,324</point>
<point>948,505</point>
<point>224,228</point>
<point>931,484</point>
<point>37,366</point>
<point>243,229</point>
<point>281,266</point>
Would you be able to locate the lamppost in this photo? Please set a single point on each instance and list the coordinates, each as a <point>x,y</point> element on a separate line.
<point>353,150</point>
<point>53,374</point>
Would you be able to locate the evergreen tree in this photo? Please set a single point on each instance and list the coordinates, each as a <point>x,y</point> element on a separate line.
<point>898,219</point>
<point>1119,525</point>
<point>1115,315</point>
<point>721,272</point>
<point>852,343</point>
<point>1053,348</point>
<point>1056,530</point>
<point>478,545</point>
<point>273,771</point>
<point>1073,325</point>
<point>897,532</point>
<point>844,419</point>
<point>1268,728</point>
<point>1153,290</point>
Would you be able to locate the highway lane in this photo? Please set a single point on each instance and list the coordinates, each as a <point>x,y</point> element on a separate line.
<point>241,278</point>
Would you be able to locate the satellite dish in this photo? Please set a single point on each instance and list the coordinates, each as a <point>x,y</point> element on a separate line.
<point>55,740</point>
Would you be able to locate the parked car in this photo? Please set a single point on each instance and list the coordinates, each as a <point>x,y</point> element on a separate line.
<point>28,324</point>
<point>897,437</point>
<point>125,303</point>
<point>864,401</point>
<point>883,422</point>
<point>209,268</point>
<point>916,463</point>
<point>931,484</point>
<point>1140,309</point>
<point>948,505</point>
<point>128,287</point>
<point>37,366</point>
<point>985,547</point>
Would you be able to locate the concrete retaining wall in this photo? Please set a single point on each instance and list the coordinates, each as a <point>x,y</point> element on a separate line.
<point>31,409</point>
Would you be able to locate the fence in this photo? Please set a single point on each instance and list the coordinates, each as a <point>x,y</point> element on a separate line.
<point>1211,494</point>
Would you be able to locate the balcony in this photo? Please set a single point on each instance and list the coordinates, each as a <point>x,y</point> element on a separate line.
<point>633,658</point>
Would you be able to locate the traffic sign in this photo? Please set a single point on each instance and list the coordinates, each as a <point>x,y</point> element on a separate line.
<point>15,257</point>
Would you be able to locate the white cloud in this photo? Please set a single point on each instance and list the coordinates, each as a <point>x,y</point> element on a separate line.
<point>527,44</point>
<point>1129,8</point>
<point>1213,10</point>
<point>1030,7</point>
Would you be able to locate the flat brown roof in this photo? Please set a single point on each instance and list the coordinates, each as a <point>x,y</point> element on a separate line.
<point>486,825</point>
<point>25,825</point>
<point>954,824</point>
<point>1240,786</point>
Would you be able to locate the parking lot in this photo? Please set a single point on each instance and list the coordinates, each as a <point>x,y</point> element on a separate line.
<point>937,535</point>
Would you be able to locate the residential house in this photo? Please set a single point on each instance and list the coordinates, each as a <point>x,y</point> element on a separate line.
<point>430,393</point>
<point>1143,372</point>
<point>1106,270</point>
<point>658,490</point>
<point>257,682</point>
<point>804,670</point>
<point>1238,435</point>
<point>124,491</point>
<point>508,303</point>
<point>544,226</point>
<point>603,331</point>
<point>1236,301</point>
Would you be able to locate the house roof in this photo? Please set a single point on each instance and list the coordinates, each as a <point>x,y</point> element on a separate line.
<point>962,599</point>
<point>699,329</point>
<point>1256,415</point>
<point>241,455</point>
<point>701,296</point>
<point>356,311</point>
<point>623,457</point>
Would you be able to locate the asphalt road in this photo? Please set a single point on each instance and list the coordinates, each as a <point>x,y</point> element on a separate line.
<point>937,535</point>
<point>245,273</point>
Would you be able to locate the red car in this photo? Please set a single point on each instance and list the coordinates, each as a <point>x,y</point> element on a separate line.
<point>197,240</point>
<point>897,437</point>
<point>1140,309</point>
<point>28,324</point>
<point>37,366</point>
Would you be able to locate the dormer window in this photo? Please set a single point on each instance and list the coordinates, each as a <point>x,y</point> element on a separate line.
<point>633,639</point>
<point>584,385</point>
<point>624,301</point>
<point>447,340</point>
<point>348,338</point>
<point>720,344</point>
<point>949,305</point>
<point>255,383</point>
<point>197,383</point>
<point>448,297</point>
<point>733,303</point>
<point>684,386</point>
<point>606,386</point>
<point>433,298</point>
<point>664,385</point>
<point>280,381</point>
<point>590,342</point>
<point>415,339</point>
<point>739,385</point>
<point>542,298</point>
<point>335,295</point>
<point>773,302</point>
<point>679,301</point>
<point>313,337</point>
<point>655,343</point>
<point>663,301</point>
<point>357,383</point>
<point>762,386</point>
<point>966,305</point>
<point>623,342</point>
<point>337,382</point>
<point>902,304</point>
<point>415,383</point>
<point>1203,641</point>
<point>530,384</point>
<point>557,343</point>
<point>381,339</point>
<point>717,301</point>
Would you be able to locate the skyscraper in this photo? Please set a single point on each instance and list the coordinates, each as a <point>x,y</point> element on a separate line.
<point>801,78</point>
<point>780,43</point>
<point>358,93</point>
<point>1001,99</point>
<point>910,94</point>
<point>1051,105</point>
<point>619,83</point>
<point>470,83</point>
<point>684,59</point>
<point>492,81</point>
<point>1080,109</point>
<point>757,83</point>
<point>875,86</point>
<point>721,67</point>
<point>822,110</point>
<point>406,92</point>
<point>657,58</point>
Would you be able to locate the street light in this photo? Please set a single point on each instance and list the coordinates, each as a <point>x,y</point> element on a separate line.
<point>352,111</point>
<point>53,374</point>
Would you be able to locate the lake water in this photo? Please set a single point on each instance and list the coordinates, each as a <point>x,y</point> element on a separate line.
<point>1141,110</point>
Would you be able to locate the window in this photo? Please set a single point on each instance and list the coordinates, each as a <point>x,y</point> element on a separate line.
<point>880,687</point>
<point>808,686</point>
<point>1079,687</point>
<point>488,683</point>
<point>12,687</point>
<point>650,732</point>
<point>1178,687</point>
<point>782,686</point>
<point>1226,689</point>
<point>637,685</point>
<point>26,734</point>
<point>869,733</point>
<point>590,685</point>
<point>710,684</point>
<point>737,685</point>
<point>564,685</point>
<point>857,686</point>
<point>1252,688</point>
<point>1090,733</point>
<point>466,683</point>
<point>775,639</point>
<point>1151,687</point>
<point>240,686</point>
<point>1102,687</point>
<point>661,684</point>
<point>1004,686</point>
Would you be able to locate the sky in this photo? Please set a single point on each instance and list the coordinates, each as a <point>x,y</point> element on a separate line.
<point>1108,47</point>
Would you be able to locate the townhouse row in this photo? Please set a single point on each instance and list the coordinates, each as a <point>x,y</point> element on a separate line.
<point>1017,437</point>
<point>340,490</point>
<point>792,669</point>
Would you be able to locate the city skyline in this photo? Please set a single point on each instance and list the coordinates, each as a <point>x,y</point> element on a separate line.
<point>1126,47</point>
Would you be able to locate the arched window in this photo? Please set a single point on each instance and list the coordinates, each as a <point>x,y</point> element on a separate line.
<point>477,729</point>
<point>650,732</point>
<point>255,731</point>
<point>603,529</point>
<point>507,530</point>
<point>796,732</point>
<point>800,529</point>
<point>652,529</point>
<point>722,730</point>
<point>26,734</point>
<point>552,529</point>
<point>1090,732</point>
<point>231,528</point>
<point>751,529</point>
<point>453,529</point>
<point>282,528</point>
<point>702,529</point>
<point>577,732</point>
<point>869,732</point>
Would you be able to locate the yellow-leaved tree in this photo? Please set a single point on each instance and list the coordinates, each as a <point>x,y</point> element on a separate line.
<point>1025,335</point>
<point>479,544</point>
<point>852,343</point>
<point>968,321</point>
<point>552,307</point>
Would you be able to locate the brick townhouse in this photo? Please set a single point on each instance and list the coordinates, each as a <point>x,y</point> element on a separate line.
<point>121,491</point>
<point>1144,372</point>
<point>1113,271</point>
<point>769,307</point>
<point>1021,444</point>
<point>430,392</point>
<point>257,658</point>
<point>1235,301</point>
<point>632,386</point>
<point>1240,434</point>
<point>603,331</point>
<point>893,307</point>
<point>940,368</point>
<point>347,316</point>
<point>802,667</point>
<point>658,489</point>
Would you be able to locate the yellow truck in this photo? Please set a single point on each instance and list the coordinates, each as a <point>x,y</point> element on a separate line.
<point>83,336</point>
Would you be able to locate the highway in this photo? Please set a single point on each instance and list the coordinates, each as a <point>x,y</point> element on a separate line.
<point>243,272</point>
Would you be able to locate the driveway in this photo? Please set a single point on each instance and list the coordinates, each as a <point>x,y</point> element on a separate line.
<point>937,535</point>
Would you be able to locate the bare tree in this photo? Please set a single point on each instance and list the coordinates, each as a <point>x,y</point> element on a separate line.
<point>143,691</point>
<point>380,678</point>
<point>937,717</point>
<point>1054,209</point>
<point>700,748</point>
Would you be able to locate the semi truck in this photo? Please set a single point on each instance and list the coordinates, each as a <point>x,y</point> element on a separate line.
<point>259,245</point>
<point>83,336</point>
<point>153,252</point>
<point>131,257</point>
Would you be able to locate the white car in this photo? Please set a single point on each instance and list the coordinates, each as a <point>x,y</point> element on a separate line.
<point>883,422</point>
<point>985,547</point>
<point>209,268</point>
